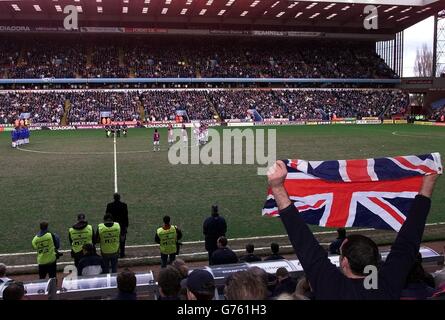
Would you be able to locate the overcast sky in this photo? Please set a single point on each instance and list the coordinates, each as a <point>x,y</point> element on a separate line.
<point>423,32</point>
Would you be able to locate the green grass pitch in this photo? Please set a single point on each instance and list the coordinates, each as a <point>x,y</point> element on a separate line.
<point>77,175</point>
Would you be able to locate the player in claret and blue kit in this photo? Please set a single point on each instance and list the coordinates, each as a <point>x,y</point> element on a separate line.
<point>156,141</point>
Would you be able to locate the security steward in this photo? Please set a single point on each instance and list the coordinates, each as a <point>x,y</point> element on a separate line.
<point>46,243</point>
<point>167,236</point>
<point>79,234</point>
<point>108,234</point>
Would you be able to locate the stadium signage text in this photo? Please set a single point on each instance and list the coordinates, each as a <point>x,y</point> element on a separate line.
<point>15,28</point>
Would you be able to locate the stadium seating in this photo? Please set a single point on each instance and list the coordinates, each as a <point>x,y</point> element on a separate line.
<point>160,58</point>
<point>161,105</point>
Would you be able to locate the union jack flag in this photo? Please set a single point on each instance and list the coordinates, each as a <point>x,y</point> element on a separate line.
<point>373,193</point>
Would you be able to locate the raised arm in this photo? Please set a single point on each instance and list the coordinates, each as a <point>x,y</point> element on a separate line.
<point>406,246</point>
<point>324,277</point>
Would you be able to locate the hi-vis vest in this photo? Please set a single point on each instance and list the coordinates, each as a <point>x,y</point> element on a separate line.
<point>167,238</point>
<point>109,238</point>
<point>81,237</point>
<point>46,251</point>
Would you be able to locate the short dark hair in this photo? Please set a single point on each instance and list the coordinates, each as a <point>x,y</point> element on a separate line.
<point>14,291</point>
<point>2,269</point>
<point>282,272</point>
<point>116,197</point>
<point>341,233</point>
<point>223,241</point>
<point>126,281</point>
<point>166,219</point>
<point>81,217</point>
<point>274,247</point>
<point>214,210</point>
<point>44,225</point>
<point>361,251</point>
<point>169,280</point>
<point>250,248</point>
<point>108,217</point>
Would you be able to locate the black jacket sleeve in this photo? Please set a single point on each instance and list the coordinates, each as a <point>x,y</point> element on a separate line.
<point>406,246</point>
<point>125,222</point>
<point>205,227</point>
<point>157,239</point>
<point>325,278</point>
<point>178,233</point>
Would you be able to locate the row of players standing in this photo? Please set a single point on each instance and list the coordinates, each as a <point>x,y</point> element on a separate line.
<point>116,130</point>
<point>19,136</point>
<point>201,135</point>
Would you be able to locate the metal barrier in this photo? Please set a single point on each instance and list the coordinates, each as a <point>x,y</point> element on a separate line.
<point>104,286</point>
<point>37,290</point>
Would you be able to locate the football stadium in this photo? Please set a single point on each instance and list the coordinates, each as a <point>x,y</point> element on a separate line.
<point>135,138</point>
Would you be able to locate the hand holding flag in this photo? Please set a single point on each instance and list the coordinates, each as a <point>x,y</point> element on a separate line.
<point>375,193</point>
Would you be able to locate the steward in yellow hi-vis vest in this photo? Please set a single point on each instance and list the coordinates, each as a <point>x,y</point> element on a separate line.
<point>168,237</point>
<point>79,234</point>
<point>108,235</point>
<point>46,244</point>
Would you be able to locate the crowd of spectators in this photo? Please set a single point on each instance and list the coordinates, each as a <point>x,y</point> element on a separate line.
<point>44,107</point>
<point>162,105</point>
<point>87,105</point>
<point>189,58</point>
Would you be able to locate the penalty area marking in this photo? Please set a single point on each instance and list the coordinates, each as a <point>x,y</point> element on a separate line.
<point>395,133</point>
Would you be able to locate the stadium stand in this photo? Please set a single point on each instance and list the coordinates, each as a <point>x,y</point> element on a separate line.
<point>219,58</point>
<point>161,105</point>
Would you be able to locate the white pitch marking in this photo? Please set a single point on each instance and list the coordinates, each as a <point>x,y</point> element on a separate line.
<point>115,165</point>
<point>395,133</point>
<point>82,153</point>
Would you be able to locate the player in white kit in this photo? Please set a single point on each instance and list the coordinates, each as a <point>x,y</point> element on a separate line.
<point>185,138</point>
<point>171,138</point>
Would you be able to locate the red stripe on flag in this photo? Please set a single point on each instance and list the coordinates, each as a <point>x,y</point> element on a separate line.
<point>317,205</point>
<point>357,170</point>
<point>293,163</point>
<point>388,209</point>
<point>408,164</point>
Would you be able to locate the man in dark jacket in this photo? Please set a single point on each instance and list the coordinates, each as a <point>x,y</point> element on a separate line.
<point>79,234</point>
<point>285,283</point>
<point>119,211</point>
<point>275,249</point>
<point>223,255</point>
<point>250,256</point>
<point>90,263</point>
<point>214,227</point>
<point>357,252</point>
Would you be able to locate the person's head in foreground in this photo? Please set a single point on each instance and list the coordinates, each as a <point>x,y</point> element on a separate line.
<point>126,282</point>
<point>169,282</point>
<point>222,242</point>
<point>200,285</point>
<point>245,285</point>
<point>14,291</point>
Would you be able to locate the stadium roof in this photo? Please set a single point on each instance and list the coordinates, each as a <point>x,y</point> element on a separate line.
<point>343,16</point>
